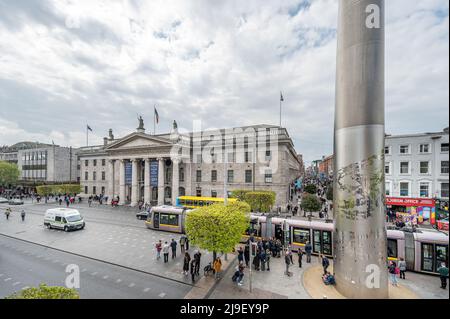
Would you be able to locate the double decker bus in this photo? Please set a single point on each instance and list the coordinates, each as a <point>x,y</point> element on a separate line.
<point>197,202</point>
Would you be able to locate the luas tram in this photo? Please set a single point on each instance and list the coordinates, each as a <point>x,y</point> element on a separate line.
<point>423,251</point>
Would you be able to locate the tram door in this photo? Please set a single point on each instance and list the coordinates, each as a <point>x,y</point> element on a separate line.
<point>279,233</point>
<point>156,220</point>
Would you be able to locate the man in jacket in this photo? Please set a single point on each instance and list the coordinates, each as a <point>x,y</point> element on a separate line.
<point>443,273</point>
<point>325,264</point>
<point>173,245</point>
<point>287,261</point>
<point>308,250</point>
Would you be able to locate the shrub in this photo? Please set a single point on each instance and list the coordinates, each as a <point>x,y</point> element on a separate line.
<point>46,292</point>
<point>310,203</point>
<point>311,189</point>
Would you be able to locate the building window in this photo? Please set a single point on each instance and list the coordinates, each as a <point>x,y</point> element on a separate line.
<point>248,176</point>
<point>404,167</point>
<point>388,188</point>
<point>424,168</point>
<point>199,158</point>
<point>86,163</point>
<point>103,176</point>
<point>230,176</point>
<point>85,189</point>
<point>213,176</point>
<point>94,176</point>
<point>424,189</point>
<point>181,175</point>
<point>103,162</point>
<point>103,190</point>
<point>444,190</point>
<point>404,149</point>
<point>444,147</point>
<point>268,155</point>
<point>248,156</point>
<point>404,189</point>
<point>387,150</point>
<point>86,176</point>
<point>268,177</point>
<point>214,194</point>
<point>424,148</point>
<point>387,168</point>
<point>199,176</point>
<point>94,190</point>
<point>231,158</point>
<point>95,162</point>
<point>198,192</point>
<point>444,167</point>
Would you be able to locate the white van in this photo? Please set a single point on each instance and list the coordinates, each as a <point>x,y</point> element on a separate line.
<point>63,218</point>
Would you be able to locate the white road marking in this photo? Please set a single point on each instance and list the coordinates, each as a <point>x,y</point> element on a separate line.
<point>94,273</point>
<point>162,295</point>
<point>146,289</point>
<point>118,280</point>
<point>132,285</point>
<point>105,277</point>
<point>8,279</point>
<point>16,283</point>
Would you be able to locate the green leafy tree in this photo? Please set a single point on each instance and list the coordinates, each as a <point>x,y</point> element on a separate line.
<point>9,173</point>
<point>45,190</point>
<point>261,201</point>
<point>218,227</point>
<point>46,292</point>
<point>311,189</point>
<point>310,203</point>
<point>239,194</point>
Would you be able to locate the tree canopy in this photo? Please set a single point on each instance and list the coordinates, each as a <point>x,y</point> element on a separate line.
<point>259,201</point>
<point>9,173</point>
<point>46,292</point>
<point>310,203</point>
<point>218,227</point>
<point>311,189</point>
<point>45,190</point>
<point>330,193</point>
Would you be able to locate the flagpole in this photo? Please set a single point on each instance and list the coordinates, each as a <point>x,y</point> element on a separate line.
<point>154,120</point>
<point>281,100</point>
<point>87,135</point>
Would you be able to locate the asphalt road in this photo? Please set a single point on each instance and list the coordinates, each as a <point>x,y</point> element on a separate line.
<point>24,264</point>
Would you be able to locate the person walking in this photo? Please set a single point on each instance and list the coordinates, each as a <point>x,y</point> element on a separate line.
<point>7,213</point>
<point>240,255</point>
<point>300,257</point>
<point>197,258</point>
<point>173,245</point>
<point>443,274</point>
<point>268,259</point>
<point>187,260</point>
<point>165,250</point>
<point>22,214</point>
<point>182,243</point>
<point>308,250</point>
<point>402,267</point>
<point>158,247</point>
<point>193,267</point>
<point>393,273</point>
<point>325,264</point>
<point>247,255</point>
<point>287,261</point>
<point>217,266</point>
<point>187,242</point>
<point>263,258</point>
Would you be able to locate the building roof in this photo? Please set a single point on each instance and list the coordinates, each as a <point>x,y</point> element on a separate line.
<point>22,146</point>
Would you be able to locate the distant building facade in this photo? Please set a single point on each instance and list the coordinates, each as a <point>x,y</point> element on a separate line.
<point>159,168</point>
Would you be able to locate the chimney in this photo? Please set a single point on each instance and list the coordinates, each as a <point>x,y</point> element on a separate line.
<point>105,141</point>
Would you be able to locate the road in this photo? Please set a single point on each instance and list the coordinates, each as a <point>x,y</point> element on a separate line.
<point>113,240</point>
<point>24,264</point>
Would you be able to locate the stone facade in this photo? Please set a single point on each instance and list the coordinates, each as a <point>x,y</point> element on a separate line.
<point>258,157</point>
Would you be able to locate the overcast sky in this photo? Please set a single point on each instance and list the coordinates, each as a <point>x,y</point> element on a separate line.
<point>64,64</point>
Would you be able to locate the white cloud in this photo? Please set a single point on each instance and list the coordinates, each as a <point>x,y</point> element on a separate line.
<point>64,64</point>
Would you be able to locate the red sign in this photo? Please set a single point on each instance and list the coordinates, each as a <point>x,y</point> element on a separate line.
<point>408,202</point>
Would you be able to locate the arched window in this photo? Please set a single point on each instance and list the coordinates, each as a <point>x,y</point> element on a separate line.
<point>168,192</point>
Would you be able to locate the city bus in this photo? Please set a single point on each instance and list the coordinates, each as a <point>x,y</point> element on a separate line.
<point>197,202</point>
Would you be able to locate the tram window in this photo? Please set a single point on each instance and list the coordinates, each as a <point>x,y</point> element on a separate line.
<point>441,255</point>
<point>392,248</point>
<point>317,248</point>
<point>427,257</point>
<point>327,243</point>
<point>301,236</point>
<point>169,219</point>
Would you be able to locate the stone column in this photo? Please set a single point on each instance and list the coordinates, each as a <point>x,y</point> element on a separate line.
<point>147,197</point>
<point>111,178</point>
<point>134,183</point>
<point>122,182</point>
<point>161,181</point>
<point>360,256</point>
<point>175,179</point>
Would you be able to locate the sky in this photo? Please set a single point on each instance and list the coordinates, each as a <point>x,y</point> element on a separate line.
<point>65,64</point>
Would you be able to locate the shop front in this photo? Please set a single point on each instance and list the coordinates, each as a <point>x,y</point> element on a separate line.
<point>415,211</point>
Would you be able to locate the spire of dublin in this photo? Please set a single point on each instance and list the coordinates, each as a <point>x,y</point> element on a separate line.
<point>360,252</point>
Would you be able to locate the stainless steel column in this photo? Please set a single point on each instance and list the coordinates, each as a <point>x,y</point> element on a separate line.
<point>121,182</point>
<point>161,181</point>
<point>360,257</point>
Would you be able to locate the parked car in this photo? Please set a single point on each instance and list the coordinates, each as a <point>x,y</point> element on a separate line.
<point>142,215</point>
<point>15,201</point>
<point>4,200</point>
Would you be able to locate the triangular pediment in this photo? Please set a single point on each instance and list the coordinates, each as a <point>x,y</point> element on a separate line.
<point>138,140</point>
